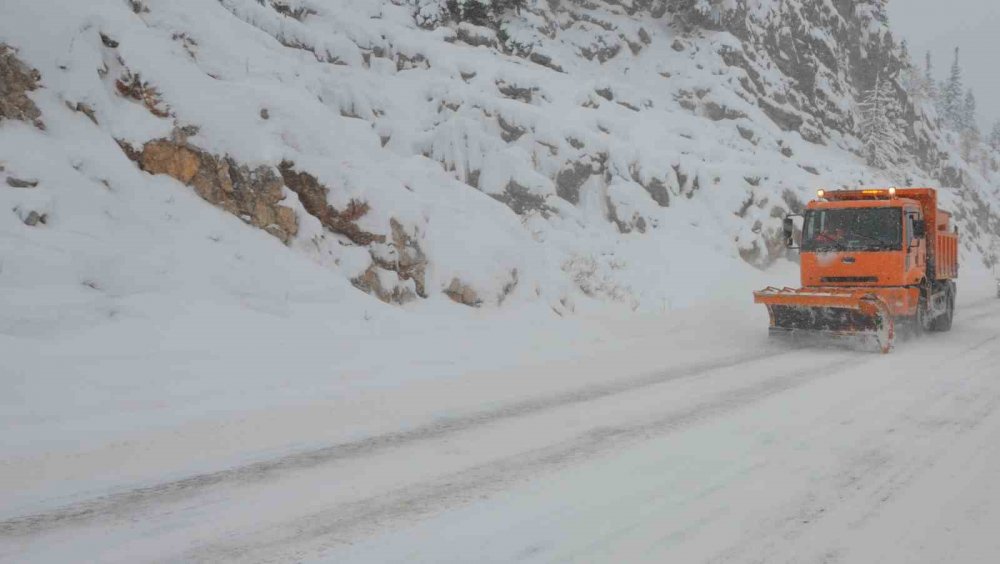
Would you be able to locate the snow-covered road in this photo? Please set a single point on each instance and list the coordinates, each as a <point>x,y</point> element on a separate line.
<point>696,450</point>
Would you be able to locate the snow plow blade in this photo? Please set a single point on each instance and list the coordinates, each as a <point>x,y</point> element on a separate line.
<point>829,313</point>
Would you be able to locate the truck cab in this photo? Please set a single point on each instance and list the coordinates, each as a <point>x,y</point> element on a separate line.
<point>863,243</point>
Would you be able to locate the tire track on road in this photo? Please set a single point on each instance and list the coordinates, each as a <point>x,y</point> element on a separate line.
<point>135,500</point>
<point>439,494</point>
<point>878,473</point>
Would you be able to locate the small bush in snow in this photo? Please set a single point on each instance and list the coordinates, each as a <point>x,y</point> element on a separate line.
<point>356,209</point>
<point>132,86</point>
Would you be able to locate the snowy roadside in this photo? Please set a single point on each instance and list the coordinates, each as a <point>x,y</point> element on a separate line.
<point>91,421</point>
<point>544,460</point>
<point>121,406</point>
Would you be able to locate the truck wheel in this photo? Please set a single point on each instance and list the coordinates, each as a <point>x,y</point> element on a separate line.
<point>921,321</point>
<point>942,323</point>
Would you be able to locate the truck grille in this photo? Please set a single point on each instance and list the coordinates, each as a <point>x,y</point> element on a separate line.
<point>850,279</point>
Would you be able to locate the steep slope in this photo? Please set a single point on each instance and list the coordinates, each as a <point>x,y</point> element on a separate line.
<point>570,150</point>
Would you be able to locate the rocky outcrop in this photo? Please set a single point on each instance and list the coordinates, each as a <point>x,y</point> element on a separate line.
<point>399,258</point>
<point>410,262</point>
<point>371,282</point>
<point>15,182</point>
<point>571,178</point>
<point>299,13</point>
<point>252,194</point>
<point>16,80</point>
<point>825,53</point>
<point>462,293</point>
<point>31,218</point>
<point>520,199</point>
<point>396,257</point>
<point>313,195</point>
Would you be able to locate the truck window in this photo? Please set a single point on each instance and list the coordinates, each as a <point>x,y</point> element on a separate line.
<point>853,229</point>
<point>912,218</point>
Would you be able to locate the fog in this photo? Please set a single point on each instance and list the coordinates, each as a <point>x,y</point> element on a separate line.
<point>939,27</point>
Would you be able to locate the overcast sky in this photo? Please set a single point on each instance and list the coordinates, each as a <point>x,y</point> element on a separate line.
<point>942,25</point>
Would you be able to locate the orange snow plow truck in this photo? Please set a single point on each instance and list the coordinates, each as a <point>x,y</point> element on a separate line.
<point>872,261</point>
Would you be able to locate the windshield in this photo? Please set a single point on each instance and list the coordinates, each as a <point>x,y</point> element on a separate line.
<point>857,229</point>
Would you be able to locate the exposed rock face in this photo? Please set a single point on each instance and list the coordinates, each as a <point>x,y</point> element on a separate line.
<point>14,182</point>
<point>312,194</point>
<point>299,13</point>
<point>253,195</point>
<point>33,218</point>
<point>521,200</point>
<point>399,260</point>
<point>371,282</point>
<point>397,256</point>
<point>462,293</point>
<point>570,179</point>
<point>411,262</point>
<point>16,80</point>
<point>824,48</point>
<point>826,53</point>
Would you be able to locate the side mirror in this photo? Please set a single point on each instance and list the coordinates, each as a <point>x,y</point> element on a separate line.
<point>788,231</point>
<point>919,229</point>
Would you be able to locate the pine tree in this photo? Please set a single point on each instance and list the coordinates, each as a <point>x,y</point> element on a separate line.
<point>995,136</point>
<point>878,134</point>
<point>970,140</point>
<point>930,85</point>
<point>969,120</point>
<point>952,97</point>
<point>912,79</point>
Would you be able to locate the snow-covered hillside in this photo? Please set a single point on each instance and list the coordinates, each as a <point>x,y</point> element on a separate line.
<point>622,151</point>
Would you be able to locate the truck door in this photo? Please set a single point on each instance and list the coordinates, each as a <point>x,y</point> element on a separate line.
<point>916,251</point>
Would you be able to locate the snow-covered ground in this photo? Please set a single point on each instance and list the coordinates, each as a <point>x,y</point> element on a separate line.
<point>687,437</point>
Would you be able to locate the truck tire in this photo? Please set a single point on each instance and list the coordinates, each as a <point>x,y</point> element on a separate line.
<point>919,324</point>
<point>942,323</point>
